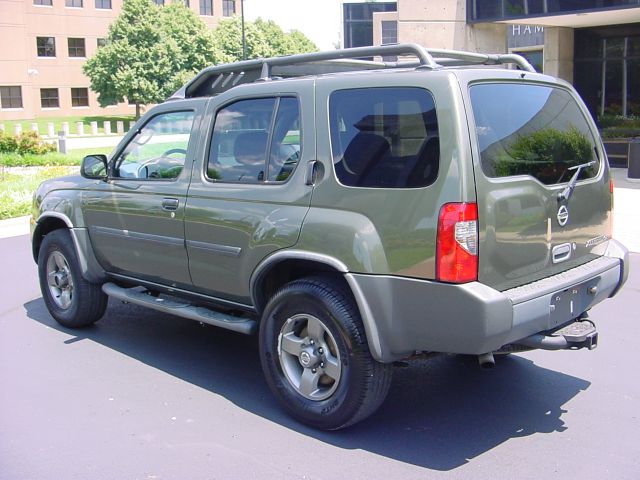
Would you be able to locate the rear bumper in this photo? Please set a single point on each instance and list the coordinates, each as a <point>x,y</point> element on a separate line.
<point>405,315</point>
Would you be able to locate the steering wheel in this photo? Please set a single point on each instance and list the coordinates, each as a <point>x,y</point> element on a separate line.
<point>171,151</point>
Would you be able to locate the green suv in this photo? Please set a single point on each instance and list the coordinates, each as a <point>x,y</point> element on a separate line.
<point>351,213</point>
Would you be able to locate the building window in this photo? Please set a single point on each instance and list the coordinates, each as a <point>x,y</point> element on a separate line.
<point>228,7</point>
<point>76,47</point>
<point>206,7</point>
<point>49,98</point>
<point>79,97</point>
<point>389,32</point>
<point>186,3</point>
<point>160,3</point>
<point>105,4</point>
<point>101,42</point>
<point>73,3</point>
<point>46,46</point>
<point>47,3</point>
<point>11,97</point>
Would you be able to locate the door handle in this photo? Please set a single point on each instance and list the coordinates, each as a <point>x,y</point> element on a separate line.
<point>310,174</point>
<point>170,204</point>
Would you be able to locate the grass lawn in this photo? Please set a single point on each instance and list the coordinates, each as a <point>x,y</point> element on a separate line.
<point>16,190</point>
<point>57,122</point>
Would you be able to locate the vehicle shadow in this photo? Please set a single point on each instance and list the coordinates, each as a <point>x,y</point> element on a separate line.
<point>439,414</point>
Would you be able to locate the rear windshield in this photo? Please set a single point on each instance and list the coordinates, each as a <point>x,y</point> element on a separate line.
<point>531,130</point>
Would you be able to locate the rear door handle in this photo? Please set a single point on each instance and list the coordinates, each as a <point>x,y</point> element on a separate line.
<point>170,204</point>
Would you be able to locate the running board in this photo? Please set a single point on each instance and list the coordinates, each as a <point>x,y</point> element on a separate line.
<point>181,309</point>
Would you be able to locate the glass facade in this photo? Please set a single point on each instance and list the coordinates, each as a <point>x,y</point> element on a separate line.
<point>491,10</point>
<point>607,69</point>
<point>358,22</point>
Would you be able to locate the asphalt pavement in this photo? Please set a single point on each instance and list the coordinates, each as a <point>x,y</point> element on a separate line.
<point>142,395</point>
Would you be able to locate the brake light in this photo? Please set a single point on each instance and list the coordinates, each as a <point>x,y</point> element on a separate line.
<point>457,243</point>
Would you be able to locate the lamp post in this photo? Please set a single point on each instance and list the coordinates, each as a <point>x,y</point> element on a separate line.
<point>244,43</point>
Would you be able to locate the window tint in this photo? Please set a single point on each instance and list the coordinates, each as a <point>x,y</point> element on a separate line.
<point>76,47</point>
<point>79,97</point>
<point>158,150</point>
<point>384,137</point>
<point>532,130</point>
<point>46,46</point>
<point>49,98</point>
<point>11,97</point>
<point>246,134</point>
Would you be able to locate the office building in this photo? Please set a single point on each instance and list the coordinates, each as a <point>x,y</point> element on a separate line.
<point>43,44</point>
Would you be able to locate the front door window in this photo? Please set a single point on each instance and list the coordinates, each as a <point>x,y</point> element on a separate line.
<point>158,150</point>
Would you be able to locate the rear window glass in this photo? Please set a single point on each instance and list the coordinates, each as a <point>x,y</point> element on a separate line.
<point>532,130</point>
<point>384,137</point>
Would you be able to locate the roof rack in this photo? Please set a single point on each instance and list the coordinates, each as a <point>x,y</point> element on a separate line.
<point>219,78</point>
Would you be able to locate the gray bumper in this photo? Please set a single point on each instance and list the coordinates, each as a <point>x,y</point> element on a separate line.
<point>405,315</point>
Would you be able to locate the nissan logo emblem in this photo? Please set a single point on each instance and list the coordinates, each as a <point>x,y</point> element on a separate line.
<point>563,216</point>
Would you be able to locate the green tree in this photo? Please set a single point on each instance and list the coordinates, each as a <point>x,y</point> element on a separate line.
<point>149,53</point>
<point>263,39</point>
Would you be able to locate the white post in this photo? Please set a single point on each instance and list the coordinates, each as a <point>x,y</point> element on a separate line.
<point>50,130</point>
<point>2,127</point>
<point>34,128</point>
<point>62,142</point>
<point>107,127</point>
<point>80,128</point>
<point>17,128</point>
<point>65,128</point>
<point>94,128</point>
<point>120,127</point>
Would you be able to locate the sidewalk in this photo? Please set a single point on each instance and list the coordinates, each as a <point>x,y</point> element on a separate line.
<point>626,214</point>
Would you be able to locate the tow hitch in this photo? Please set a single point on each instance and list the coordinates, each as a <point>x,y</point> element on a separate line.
<point>576,335</point>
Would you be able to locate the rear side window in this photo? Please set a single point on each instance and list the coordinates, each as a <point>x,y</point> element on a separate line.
<point>384,137</point>
<point>531,130</point>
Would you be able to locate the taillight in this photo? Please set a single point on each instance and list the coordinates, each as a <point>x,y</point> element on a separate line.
<point>457,243</point>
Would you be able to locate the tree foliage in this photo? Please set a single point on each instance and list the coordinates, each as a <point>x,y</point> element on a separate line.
<point>263,39</point>
<point>149,53</point>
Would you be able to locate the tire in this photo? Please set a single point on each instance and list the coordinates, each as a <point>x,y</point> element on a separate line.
<point>341,383</point>
<point>70,299</point>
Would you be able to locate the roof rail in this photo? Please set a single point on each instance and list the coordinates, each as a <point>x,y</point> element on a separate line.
<point>219,78</point>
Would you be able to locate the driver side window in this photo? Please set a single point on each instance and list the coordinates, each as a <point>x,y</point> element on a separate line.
<point>158,150</point>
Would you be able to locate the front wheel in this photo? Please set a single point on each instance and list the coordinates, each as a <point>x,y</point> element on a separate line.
<point>70,299</point>
<point>315,355</point>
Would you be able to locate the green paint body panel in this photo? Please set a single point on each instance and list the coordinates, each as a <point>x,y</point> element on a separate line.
<point>383,240</point>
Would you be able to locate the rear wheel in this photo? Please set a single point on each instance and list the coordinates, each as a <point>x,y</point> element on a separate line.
<point>315,355</point>
<point>70,299</point>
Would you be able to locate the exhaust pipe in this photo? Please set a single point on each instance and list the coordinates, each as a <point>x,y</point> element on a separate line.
<point>486,360</point>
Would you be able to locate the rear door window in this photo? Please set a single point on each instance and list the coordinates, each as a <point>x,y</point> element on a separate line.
<point>256,141</point>
<point>384,137</point>
<point>532,130</point>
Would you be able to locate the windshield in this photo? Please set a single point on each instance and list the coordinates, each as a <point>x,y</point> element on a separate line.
<point>531,130</point>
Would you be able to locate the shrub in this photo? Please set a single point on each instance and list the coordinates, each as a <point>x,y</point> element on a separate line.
<point>8,143</point>
<point>26,142</point>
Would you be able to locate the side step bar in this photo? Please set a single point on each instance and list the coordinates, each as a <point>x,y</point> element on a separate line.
<point>181,309</point>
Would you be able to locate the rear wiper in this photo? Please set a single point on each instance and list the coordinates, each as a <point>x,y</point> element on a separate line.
<point>568,190</point>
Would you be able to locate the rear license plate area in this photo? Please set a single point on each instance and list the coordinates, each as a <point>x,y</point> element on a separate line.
<point>566,305</point>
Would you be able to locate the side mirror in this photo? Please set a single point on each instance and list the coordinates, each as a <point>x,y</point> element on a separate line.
<point>94,167</point>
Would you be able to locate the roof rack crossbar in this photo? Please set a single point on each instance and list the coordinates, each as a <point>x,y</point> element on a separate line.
<point>423,56</point>
<point>455,57</point>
